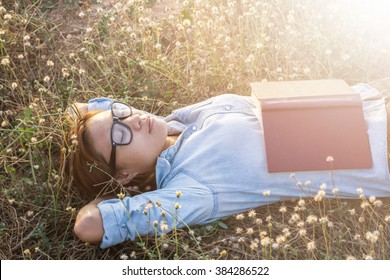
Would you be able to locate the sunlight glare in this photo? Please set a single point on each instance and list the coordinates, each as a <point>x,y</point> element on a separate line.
<point>367,14</point>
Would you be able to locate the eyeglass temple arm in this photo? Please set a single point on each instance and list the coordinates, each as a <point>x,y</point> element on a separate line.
<point>113,158</point>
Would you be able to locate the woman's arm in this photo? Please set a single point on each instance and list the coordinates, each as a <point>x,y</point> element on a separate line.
<point>89,223</point>
<point>155,212</point>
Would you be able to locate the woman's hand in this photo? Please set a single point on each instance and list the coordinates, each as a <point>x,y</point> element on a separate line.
<point>82,107</point>
<point>77,109</point>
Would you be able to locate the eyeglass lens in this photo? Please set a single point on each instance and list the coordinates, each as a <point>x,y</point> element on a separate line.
<point>121,110</point>
<point>121,133</point>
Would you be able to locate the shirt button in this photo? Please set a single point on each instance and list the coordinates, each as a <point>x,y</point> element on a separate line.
<point>194,128</point>
<point>228,107</point>
<point>168,157</point>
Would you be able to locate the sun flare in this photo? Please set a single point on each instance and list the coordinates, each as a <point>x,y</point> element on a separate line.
<point>365,14</point>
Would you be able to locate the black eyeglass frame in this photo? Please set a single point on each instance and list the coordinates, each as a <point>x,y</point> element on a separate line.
<point>116,121</point>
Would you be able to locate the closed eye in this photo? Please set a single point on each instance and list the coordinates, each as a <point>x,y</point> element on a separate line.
<point>121,134</point>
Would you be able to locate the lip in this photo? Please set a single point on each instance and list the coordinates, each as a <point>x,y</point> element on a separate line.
<point>150,121</point>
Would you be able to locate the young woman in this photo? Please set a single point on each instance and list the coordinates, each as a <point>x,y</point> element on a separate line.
<point>208,160</point>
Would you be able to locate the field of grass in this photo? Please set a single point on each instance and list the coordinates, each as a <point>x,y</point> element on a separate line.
<point>160,55</point>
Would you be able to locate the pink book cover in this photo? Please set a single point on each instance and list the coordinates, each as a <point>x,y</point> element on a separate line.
<point>312,125</point>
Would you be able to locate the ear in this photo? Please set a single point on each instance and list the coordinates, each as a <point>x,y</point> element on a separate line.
<point>125,177</point>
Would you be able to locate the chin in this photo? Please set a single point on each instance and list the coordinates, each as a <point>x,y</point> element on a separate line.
<point>161,126</point>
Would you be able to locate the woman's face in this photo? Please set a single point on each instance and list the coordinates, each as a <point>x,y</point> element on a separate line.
<point>149,140</point>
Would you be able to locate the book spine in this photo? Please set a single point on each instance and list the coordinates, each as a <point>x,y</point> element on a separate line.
<point>314,102</point>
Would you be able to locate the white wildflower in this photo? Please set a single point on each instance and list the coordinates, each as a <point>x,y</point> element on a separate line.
<point>357,237</point>
<point>372,237</point>
<point>240,217</point>
<point>378,203</point>
<point>301,224</point>
<point>283,209</point>
<point>286,232</point>
<point>254,246</point>
<point>266,241</point>
<point>5,61</point>
<point>302,232</point>
<point>311,246</point>
<point>280,239</point>
<point>124,257</point>
<point>320,194</point>
<point>163,226</point>
<point>301,203</point>
<point>335,191</point>
<point>252,214</point>
<point>258,221</point>
<point>311,219</point>
<point>364,204</point>
<point>324,220</point>
<point>294,218</point>
<point>266,193</point>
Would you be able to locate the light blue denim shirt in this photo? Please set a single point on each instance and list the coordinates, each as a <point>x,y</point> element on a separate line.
<point>218,168</point>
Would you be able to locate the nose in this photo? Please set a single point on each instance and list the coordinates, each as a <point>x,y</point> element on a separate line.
<point>134,121</point>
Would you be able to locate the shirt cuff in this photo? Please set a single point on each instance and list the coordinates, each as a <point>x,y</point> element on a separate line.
<point>99,103</point>
<point>114,216</point>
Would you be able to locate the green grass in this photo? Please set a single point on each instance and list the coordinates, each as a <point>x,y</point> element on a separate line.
<point>160,55</point>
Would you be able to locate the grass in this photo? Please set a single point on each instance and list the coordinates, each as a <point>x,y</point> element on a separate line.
<point>160,55</point>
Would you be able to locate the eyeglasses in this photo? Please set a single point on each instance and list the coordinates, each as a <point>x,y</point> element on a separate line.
<point>121,134</point>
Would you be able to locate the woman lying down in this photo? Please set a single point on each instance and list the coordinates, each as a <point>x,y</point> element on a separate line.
<point>207,161</point>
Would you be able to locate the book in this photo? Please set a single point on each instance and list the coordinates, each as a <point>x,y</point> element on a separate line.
<point>312,125</point>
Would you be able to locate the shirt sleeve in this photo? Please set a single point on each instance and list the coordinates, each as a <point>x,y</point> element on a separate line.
<point>99,103</point>
<point>154,212</point>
